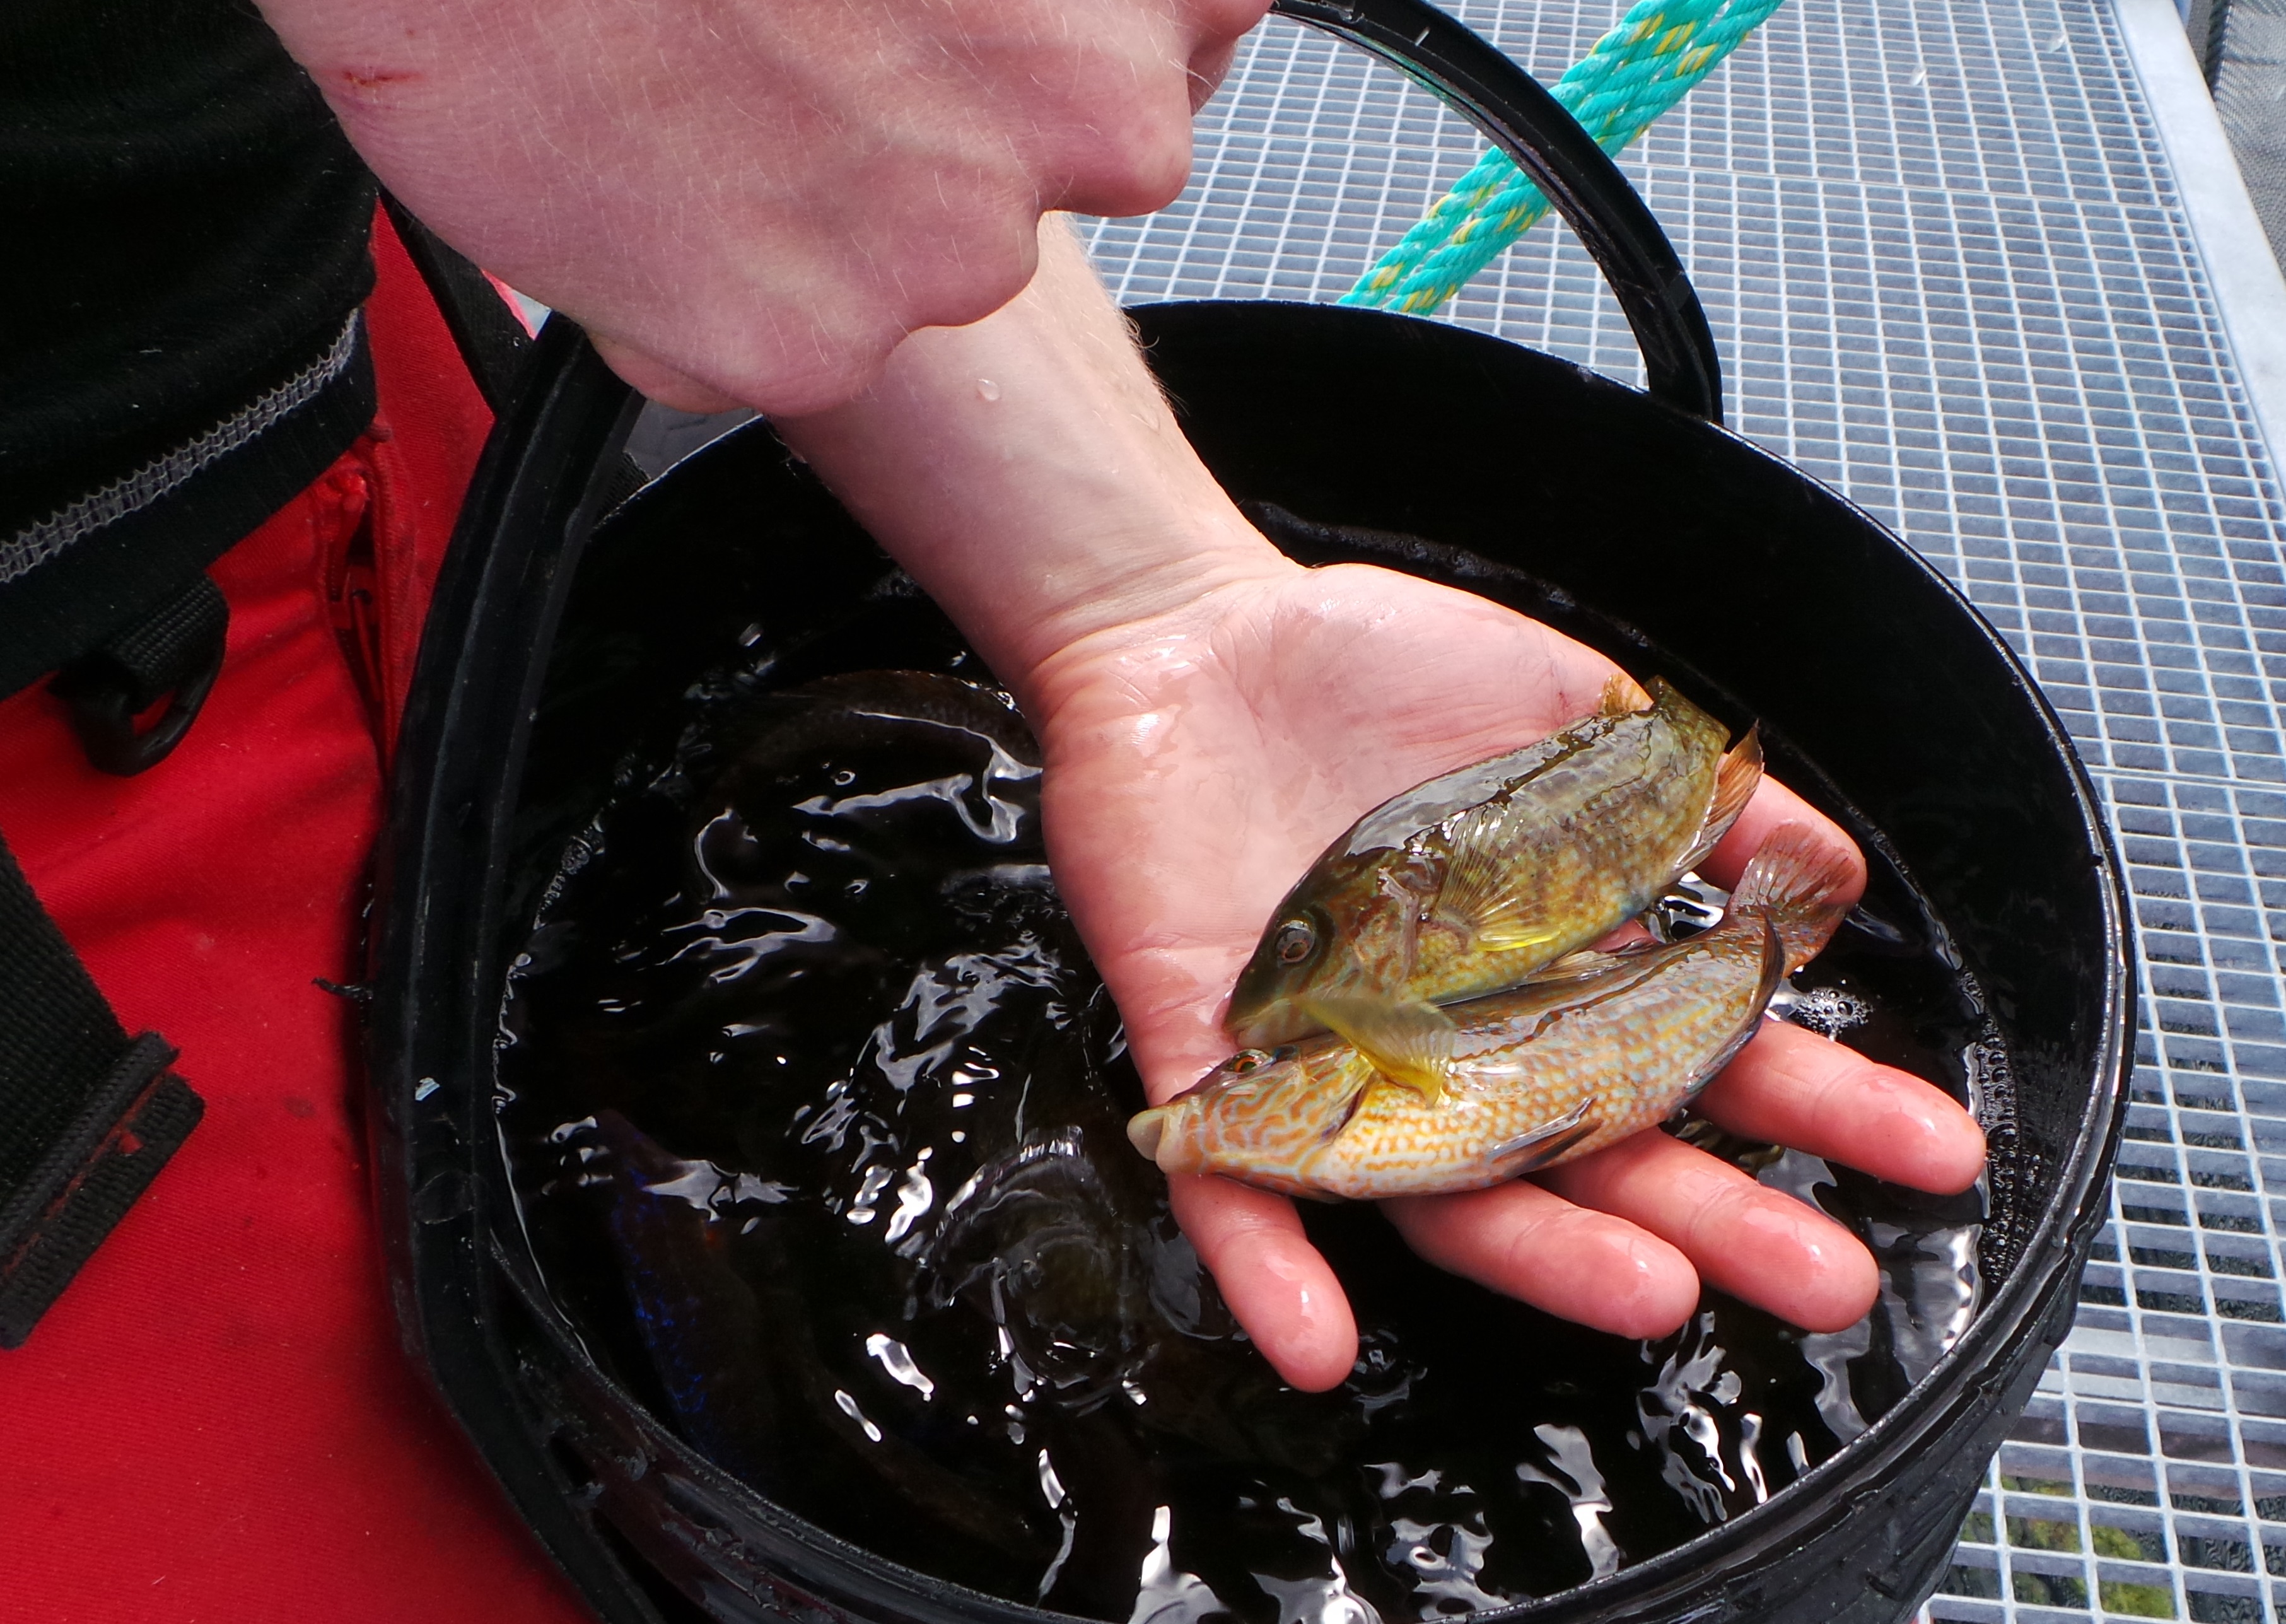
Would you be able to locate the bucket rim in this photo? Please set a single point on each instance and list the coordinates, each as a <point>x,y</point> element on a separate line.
<point>529,533</point>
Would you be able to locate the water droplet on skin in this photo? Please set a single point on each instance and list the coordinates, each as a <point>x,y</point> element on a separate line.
<point>987,390</point>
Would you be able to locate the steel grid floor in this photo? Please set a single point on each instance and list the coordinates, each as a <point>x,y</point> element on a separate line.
<point>1950,275</point>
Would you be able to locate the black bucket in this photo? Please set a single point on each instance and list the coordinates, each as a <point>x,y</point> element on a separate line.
<point>1627,521</point>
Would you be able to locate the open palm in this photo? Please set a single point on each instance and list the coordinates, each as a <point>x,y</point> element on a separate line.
<point>1198,762</point>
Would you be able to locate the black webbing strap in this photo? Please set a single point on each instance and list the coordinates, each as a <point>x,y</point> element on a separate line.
<point>493,344</point>
<point>88,1116</point>
<point>176,651</point>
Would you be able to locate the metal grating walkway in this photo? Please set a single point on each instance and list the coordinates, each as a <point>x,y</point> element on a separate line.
<point>1951,276</point>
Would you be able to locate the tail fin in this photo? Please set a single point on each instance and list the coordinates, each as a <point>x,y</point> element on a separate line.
<point>1796,882</point>
<point>1736,775</point>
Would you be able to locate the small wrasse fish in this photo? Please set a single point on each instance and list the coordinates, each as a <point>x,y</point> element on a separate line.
<point>1605,1045</point>
<point>1475,881</point>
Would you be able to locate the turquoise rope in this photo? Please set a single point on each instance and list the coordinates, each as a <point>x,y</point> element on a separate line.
<point>1641,68</point>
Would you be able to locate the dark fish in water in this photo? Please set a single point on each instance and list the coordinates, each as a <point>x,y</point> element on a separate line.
<point>731,1343</point>
<point>988,754</point>
<point>1609,1046</point>
<point>1475,881</point>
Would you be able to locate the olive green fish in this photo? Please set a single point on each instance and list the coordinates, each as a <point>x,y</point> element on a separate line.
<point>1608,1045</point>
<point>1477,881</point>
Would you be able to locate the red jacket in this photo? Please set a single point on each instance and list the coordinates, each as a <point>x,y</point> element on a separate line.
<point>214,1422</point>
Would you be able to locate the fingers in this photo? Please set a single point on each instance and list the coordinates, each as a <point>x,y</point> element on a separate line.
<point>1275,1282</point>
<point>1527,1243</point>
<point>1653,1217</point>
<point>1794,1087</point>
<point>1760,1245</point>
<point>1124,146</point>
<point>1773,805</point>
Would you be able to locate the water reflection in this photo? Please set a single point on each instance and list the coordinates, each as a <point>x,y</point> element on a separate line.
<point>818,1110</point>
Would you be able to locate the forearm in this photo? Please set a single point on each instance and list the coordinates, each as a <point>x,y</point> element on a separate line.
<point>1028,472</point>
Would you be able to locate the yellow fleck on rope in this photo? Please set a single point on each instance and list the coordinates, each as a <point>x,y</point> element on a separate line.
<point>1660,49</point>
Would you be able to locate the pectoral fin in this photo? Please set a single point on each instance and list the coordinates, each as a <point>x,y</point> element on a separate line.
<point>1793,881</point>
<point>1501,934</point>
<point>1483,896</point>
<point>1411,1044</point>
<point>1590,961</point>
<point>1359,1077</point>
<point>1546,1145</point>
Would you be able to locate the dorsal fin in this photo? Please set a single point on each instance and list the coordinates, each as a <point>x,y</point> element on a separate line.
<point>1620,692</point>
<point>1412,1044</point>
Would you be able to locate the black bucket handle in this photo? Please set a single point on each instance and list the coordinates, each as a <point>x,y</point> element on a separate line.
<point>1598,202</point>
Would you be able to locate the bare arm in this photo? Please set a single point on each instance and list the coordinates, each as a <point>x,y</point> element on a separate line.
<point>1027,471</point>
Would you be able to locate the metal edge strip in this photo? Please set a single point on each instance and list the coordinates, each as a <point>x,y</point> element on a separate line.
<point>2250,292</point>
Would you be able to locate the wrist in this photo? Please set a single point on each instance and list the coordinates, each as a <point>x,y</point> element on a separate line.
<point>1045,607</point>
<point>1029,474</point>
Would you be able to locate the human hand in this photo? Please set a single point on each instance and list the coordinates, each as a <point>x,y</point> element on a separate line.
<point>1200,758</point>
<point>752,200</point>
<point>1213,714</point>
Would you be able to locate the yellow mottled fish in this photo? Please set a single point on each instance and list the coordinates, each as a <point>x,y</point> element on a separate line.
<point>1477,881</point>
<point>1610,1044</point>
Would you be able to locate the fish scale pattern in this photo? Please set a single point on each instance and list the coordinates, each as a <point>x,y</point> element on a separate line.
<point>1950,274</point>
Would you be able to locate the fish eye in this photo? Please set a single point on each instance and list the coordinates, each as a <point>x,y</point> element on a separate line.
<point>1297,939</point>
<point>1249,1060</point>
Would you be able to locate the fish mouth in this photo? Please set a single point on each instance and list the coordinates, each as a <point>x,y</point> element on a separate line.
<point>1266,1025</point>
<point>1146,1129</point>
